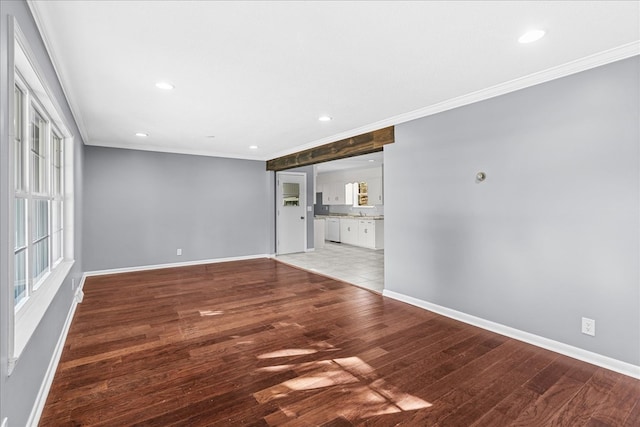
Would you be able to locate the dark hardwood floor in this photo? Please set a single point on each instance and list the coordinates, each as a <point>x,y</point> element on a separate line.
<point>261,343</point>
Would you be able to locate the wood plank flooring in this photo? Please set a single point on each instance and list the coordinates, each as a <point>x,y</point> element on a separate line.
<point>261,343</point>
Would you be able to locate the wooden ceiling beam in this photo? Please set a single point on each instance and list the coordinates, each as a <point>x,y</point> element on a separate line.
<point>366,143</point>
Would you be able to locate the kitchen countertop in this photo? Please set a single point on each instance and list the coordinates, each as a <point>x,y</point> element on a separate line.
<point>376,217</point>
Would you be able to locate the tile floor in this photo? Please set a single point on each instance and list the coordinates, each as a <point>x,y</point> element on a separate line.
<point>359,266</point>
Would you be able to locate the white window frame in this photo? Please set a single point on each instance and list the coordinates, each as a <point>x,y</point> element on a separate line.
<point>27,76</point>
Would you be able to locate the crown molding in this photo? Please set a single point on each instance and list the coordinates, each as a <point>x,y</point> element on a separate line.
<point>573,67</point>
<point>569,68</point>
<point>75,111</point>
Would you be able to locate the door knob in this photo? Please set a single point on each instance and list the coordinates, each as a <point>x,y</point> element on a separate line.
<point>301,217</point>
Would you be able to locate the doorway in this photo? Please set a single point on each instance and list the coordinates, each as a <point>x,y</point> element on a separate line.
<point>344,256</point>
<point>291,212</point>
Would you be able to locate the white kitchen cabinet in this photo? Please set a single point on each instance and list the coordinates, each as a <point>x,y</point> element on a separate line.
<point>349,231</point>
<point>371,234</point>
<point>375,191</point>
<point>319,234</point>
<point>348,192</point>
<point>330,195</point>
<point>333,193</point>
<point>326,195</point>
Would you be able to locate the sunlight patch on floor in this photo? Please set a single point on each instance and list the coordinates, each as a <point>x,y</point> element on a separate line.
<point>349,381</point>
<point>211,312</point>
<point>287,352</point>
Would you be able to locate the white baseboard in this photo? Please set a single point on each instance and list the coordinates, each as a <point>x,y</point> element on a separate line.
<point>556,346</point>
<point>43,393</point>
<point>171,265</point>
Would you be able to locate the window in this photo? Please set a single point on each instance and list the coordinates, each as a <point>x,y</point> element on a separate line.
<point>20,220</point>
<point>42,199</point>
<point>39,195</point>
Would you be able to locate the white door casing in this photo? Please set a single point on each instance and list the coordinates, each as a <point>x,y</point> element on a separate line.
<point>291,212</point>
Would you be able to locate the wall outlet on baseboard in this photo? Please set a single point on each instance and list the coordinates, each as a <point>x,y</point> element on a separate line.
<point>589,326</point>
<point>178,252</point>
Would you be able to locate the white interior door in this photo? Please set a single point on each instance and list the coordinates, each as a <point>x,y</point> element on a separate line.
<point>291,212</point>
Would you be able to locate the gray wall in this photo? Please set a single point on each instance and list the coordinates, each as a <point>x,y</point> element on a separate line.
<point>551,235</point>
<point>141,206</point>
<point>18,392</point>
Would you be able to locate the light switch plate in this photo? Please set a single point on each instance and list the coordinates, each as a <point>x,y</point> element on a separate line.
<point>5,422</point>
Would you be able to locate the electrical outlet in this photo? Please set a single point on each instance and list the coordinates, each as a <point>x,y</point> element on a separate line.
<point>589,326</point>
<point>179,252</point>
<point>73,283</point>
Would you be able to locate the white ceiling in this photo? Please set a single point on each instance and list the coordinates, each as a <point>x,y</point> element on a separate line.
<point>261,73</point>
<point>358,162</point>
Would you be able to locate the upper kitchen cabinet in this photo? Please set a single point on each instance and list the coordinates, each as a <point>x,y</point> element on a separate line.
<point>357,187</point>
<point>375,191</point>
<point>333,193</point>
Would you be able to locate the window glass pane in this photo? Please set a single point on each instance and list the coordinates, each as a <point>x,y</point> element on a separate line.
<point>20,224</point>
<point>56,228</point>
<point>57,165</point>
<point>17,113</point>
<point>19,149</point>
<point>56,246</point>
<point>40,258</point>
<point>38,165</point>
<point>290,194</point>
<point>40,230</point>
<point>20,276</point>
<point>40,219</point>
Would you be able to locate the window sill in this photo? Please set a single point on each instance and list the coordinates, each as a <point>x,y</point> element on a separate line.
<point>28,317</point>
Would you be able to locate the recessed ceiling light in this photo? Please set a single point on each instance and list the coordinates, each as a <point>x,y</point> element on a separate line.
<point>324,118</point>
<point>253,147</point>
<point>371,160</point>
<point>142,134</point>
<point>531,36</point>
<point>164,86</point>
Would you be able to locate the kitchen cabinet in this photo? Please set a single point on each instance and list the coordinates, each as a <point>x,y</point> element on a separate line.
<point>375,191</point>
<point>333,193</point>
<point>326,195</point>
<point>359,187</point>
<point>319,234</point>
<point>349,231</point>
<point>371,234</point>
<point>368,233</point>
